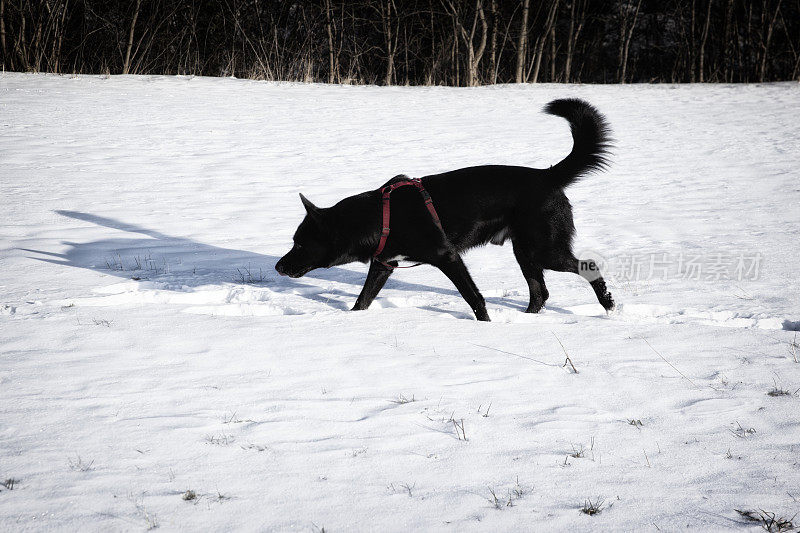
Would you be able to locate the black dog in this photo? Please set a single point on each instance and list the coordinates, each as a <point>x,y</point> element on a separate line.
<point>476,205</point>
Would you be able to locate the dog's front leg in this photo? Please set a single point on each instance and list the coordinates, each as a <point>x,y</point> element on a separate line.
<point>376,279</point>
<point>455,269</point>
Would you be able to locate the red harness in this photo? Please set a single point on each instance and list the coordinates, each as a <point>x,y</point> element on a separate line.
<point>386,193</point>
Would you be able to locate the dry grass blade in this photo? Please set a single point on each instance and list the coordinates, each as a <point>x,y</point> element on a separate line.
<point>768,521</point>
<point>670,364</point>
<point>575,370</point>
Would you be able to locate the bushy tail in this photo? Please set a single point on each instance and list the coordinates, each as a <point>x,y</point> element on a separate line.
<point>590,136</point>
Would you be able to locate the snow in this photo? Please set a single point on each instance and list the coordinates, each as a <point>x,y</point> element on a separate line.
<point>147,346</point>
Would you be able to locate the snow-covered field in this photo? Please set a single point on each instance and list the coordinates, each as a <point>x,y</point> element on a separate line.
<point>148,348</point>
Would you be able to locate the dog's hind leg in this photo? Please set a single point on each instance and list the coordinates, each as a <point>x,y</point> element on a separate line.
<point>376,279</point>
<point>589,271</point>
<point>454,268</point>
<point>533,275</point>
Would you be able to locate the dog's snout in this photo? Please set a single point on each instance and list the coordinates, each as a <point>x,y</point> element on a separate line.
<point>279,268</point>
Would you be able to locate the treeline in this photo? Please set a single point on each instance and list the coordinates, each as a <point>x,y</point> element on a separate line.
<point>417,42</point>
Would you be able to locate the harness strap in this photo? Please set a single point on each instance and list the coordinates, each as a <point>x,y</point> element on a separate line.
<point>385,196</point>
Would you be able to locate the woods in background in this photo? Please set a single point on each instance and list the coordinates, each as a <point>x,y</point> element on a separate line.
<point>416,42</point>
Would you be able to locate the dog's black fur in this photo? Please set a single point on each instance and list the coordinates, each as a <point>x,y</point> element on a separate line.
<point>477,205</point>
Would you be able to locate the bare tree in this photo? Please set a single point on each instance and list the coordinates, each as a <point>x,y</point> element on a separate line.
<point>552,52</point>
<point>3,32</point>
<point>542,39</point>
<point>792,47</point>
<point>727,40</point>
<point>409,41</point>
<point>468,37</point>
<point>701,68</point>
<point>493,46</point>
<point>60,29</point>
<point>523,39</point>
<point>577,18</point>
<point>127,65</point>
<point>21,45</point>
<point>765,41</point>
<point>386,21</point>
<point>625,36</point>
<point>332,73</point>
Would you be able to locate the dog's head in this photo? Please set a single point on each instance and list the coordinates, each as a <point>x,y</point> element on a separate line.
<point>314,244</point>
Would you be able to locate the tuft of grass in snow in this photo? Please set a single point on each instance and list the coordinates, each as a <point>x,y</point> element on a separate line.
<point>115,263</point>
<point>359,451</point>
<point>776,391</point>
<point>769,521</point>
<point>729,455</point>
<point>189,495</point>
<point>592,507</point>
<point>494,500</point>
<point>247,276</point>
<point>742,432</point>
<point>139,263</point>
<point>232,418</point>
<point>403,399</point>
<point>256,447</point>
<point>459,427</point>
<point>517,492</point>
<point>78,465</point>
<point>404,488</point>
<point>220,440</point>
<point>580,453</point>
<point>150,519</point>
<point>794,349</point>
<point>9,483</point>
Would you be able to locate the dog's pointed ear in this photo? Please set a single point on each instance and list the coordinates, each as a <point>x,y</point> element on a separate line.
<point>314,211</point>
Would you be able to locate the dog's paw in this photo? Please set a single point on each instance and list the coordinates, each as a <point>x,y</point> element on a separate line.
<point>482,316</point>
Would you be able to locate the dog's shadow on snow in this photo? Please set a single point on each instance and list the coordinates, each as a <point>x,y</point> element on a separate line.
<point>180,264</point>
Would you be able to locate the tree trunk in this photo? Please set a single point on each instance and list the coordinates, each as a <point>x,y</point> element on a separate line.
<point>703,42</point>
<point>493,46</point>
<point>60,29</point>
<point>454,53</point>
<point>575,28</point>
<point>126,67</point>
<point>332,74</point>
<point>37,42</point>
<point>473,56</point>
<point>387,31</point>
<point>523,39</point>
<point>431,78</point>
<point>792,48</point>
<point>542,40</point>
<point>628,37</point>
<point>3,33</point>
<point>692,47</point>
<point>568,61</point>
<point>476,57</point>
<point>553,53</point>
<point>765,43</point>
<point>727,40</point>
<point>22,45</point>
